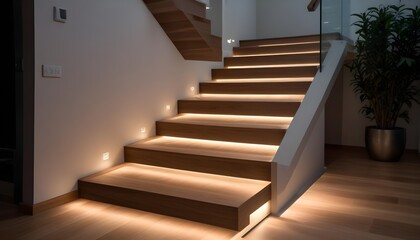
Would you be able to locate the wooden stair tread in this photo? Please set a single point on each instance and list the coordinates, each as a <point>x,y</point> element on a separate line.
<point>244,151</point>
<point>261,87</point>
<point>282,40</point>
<point>264,80</point>
<point>208,198</point>
<point>211,188</point>
<point>231,121</point>
<point>230,128</point>
<point>276,50</point>
<point>247,98</point>
<point>278,72</point>
<point>212,163</point>
<point>235,105</point>
<point>272,60</point>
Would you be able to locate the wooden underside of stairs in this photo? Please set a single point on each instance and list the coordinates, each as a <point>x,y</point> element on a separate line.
<point>212,162</point>
<point>185,23</point>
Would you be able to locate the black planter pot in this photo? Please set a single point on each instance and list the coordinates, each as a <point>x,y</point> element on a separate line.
<point>385,144</point>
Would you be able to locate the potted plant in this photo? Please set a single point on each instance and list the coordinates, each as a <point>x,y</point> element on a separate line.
<point>386,69</point>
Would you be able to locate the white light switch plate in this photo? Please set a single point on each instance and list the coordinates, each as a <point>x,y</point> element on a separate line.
<point>52,71</point>
<point>60,14</point>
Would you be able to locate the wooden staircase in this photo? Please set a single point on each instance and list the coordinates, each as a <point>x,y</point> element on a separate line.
<point>185,23</point>
<point>212,162</point>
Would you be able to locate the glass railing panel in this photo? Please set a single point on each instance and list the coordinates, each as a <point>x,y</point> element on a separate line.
<point>331,22</point>
<point>214,12</point>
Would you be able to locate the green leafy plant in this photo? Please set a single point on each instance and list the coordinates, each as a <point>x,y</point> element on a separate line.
<point>387,63</point>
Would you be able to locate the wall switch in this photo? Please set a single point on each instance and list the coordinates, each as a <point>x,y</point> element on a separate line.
<point>60,14</point>
<point>53,71</point>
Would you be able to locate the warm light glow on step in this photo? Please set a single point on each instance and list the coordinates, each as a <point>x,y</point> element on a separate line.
<point>274,54</point>
<point>141,224</point>
<point>259,214</point>
<point>256,152</point>
<point>301,79</point>
<point>254,97</point>
<point>255,218</point>
<point>286,44</point>
<point>276,66</point>
<point>218,189</point>
<point>233,120</point>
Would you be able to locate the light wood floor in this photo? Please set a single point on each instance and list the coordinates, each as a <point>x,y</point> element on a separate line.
<point>356,199</point>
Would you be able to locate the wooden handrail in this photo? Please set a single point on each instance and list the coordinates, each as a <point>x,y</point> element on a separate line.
<point>313,5</point>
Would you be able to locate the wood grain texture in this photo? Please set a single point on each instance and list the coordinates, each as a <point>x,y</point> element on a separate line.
<point>281,72</point>
<point>54,202</point>
<point>284,40</point>
<point>186,25</point>
<point>388,208</point>
<point>313,5</point>
<point>255,87</point>
<point>224,161</point>
<point>286,49</point>
<point>272,60</point>
<point>357,198</point>
<point>283,109</point>
<point>221,133</point>
<point>211,199</point>
<point>165,6</point>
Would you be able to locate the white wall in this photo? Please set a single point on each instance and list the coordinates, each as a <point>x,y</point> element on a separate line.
<point>281,18</point>
<point>119,72</point>
<point>239,22</point>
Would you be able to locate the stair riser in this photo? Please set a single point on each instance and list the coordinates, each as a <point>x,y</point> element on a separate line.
<point>285,72</point>
<point>206,164</point>
<point>252,43</point>
<point>272,60</point>
<point>255,88</point>
<point>276,49</point>
<point>218,215</point>
<point>283,109</point>
<point>221,133</point>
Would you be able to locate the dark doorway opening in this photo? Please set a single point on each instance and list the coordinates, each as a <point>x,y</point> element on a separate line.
<point>11,103</point>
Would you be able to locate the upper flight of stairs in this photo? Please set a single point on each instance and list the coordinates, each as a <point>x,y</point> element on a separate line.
<point>185,23</point>
<point>212,162</point>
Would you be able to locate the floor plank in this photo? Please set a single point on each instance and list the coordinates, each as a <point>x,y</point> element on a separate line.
<point>356,198</point>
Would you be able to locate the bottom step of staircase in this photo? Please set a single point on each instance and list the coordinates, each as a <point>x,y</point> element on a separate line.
<point>212,199</point>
